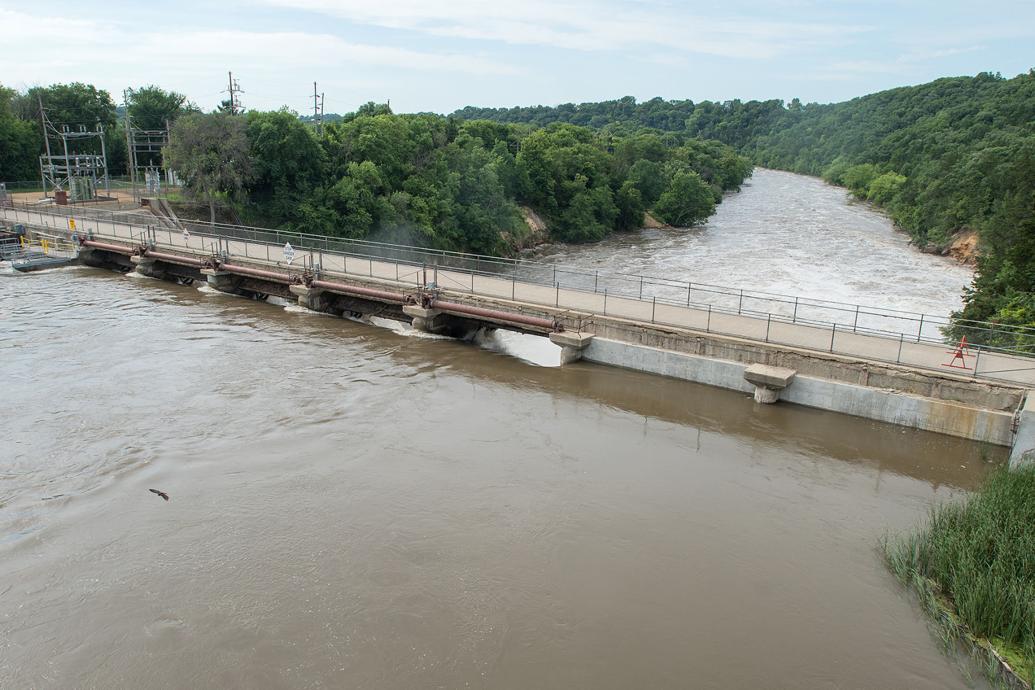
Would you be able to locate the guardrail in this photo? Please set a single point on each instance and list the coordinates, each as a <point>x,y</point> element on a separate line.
<point>769,317</point>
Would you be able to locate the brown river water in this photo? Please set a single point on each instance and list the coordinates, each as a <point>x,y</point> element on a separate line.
<point>356,506</point>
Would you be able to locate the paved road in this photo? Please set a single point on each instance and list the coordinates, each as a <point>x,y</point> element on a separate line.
<point>777,329</point>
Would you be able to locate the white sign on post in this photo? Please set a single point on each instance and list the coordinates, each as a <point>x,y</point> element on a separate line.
<point>289,253</point>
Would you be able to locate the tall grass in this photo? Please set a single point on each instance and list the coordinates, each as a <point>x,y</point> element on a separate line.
<point>973,565</point>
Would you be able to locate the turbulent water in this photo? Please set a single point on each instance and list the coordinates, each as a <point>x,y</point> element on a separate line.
<point>792,235</point>
<point>355,506</point>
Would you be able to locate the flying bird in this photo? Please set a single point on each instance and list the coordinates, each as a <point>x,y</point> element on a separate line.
<point>159,493</point>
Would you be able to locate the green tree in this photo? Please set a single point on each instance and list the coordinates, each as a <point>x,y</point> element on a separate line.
<point>630,207</point>
<point>152,108</point>
<point>19,142</point>
<point>858,178</point>
<point>883,188</point>
<point>210,154</point>
<point>687,201</point>
<point>288,164</point>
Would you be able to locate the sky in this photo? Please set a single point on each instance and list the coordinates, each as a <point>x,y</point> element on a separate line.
<point>440,56</point>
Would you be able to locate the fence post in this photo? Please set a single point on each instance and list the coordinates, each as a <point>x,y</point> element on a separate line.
<point>768,322</point>
<point>740,305</point>
<point>898,358</point>
<point>920,330</point>
<point>370,271</point>
<point>856,324</point>
<point>689,287</point>
<point>977,360</point>
<point>653,307</point>
<point>794,317</point>
<point>605,301</point>
<point>641,287</point>
<point>708,324</point>
<point>833,331</point>
<point>557,299</point>
<point>513,289</point>
<point>596,279</point>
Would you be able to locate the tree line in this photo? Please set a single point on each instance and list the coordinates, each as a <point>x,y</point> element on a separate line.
<point>434,181</point>
<point>424,179</point>
<point>952,155</point>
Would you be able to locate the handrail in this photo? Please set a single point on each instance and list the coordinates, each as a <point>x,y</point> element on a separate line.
<point>840,318</point>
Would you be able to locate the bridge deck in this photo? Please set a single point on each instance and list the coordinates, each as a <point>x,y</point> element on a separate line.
<point>910,350</point>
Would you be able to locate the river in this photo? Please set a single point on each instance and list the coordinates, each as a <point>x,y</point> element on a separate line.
<point>359,506</point>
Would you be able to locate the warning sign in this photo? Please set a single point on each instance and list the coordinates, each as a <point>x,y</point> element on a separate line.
<point>71,224</point>
<point>289,253</point>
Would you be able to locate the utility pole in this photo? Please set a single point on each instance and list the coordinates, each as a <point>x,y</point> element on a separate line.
<point>131,161</point>
<point>233,88</point>
<point>317,110</point>
<point>46,138</point>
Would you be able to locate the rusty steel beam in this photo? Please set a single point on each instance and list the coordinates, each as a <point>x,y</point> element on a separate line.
<point>117,248</point>
<point>356,290</point>
<point>174,258</point>
<point>276,277</point>
<point>496,315</point>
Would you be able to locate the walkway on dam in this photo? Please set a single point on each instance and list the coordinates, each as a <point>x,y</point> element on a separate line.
<point>866,333</point>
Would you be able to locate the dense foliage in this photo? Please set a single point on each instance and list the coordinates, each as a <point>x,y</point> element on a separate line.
<point>951,155</point>
<point>978,558</point>
<point>20,142</point>
<point>434,181</point>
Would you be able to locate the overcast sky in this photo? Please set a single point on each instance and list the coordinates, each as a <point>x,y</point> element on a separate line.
<point>438,56</point>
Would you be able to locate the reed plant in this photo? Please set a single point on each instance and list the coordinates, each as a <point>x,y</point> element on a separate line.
<point>972,563</point>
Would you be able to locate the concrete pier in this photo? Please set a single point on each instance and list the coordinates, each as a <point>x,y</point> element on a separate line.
<point>146,266</point>
<point>220,280</point>
<point>768,381</point>
<point>310,298</point>
<point>1023,451</point>
<point>571,344</point>
<point>427,320</point>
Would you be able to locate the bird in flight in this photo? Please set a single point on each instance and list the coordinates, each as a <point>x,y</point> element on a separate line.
<point>159,493</point>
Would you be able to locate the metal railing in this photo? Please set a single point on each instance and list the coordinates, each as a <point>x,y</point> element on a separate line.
<point>700,305</point>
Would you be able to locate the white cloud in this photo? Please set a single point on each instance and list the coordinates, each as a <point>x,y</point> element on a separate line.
<point>584,26</point>
<point>31,51</point>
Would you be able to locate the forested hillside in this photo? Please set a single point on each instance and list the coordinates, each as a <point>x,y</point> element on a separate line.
<point>431,180</point>
<point>954,154</point>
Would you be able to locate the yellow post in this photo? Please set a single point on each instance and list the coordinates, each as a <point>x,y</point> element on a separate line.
<point>43,243</point>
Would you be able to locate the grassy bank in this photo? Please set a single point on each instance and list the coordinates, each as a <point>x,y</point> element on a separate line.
<point>973,565</point>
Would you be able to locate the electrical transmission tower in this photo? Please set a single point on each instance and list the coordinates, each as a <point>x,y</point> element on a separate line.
<point>233,88</point>
<point>317,110</point>
<point>144,148</point>
<point>75,174</point>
